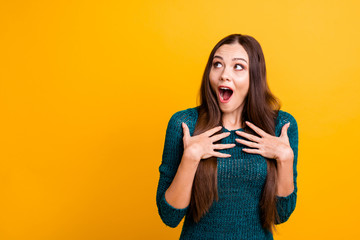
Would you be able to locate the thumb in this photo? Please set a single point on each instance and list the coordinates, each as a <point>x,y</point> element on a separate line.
<point>185,129</point>
<point>284,129</point>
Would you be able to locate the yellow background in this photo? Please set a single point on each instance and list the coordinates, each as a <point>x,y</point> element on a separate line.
<point>87,89</point>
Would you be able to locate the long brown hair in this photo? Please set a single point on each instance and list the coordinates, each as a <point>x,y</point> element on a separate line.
<point>260,107</point>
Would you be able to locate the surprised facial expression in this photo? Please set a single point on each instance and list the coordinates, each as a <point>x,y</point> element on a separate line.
<point>229,76</point>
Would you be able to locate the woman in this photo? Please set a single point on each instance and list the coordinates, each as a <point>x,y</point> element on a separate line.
<point>229,165</point>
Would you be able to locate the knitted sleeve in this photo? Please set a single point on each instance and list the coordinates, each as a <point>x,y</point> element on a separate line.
<point>286,205</point>
<point>172,154</point>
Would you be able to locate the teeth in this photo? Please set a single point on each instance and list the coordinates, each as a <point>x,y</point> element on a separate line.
<point>224,88</point>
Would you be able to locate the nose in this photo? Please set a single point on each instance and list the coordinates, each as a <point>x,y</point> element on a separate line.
<point>225,75</point>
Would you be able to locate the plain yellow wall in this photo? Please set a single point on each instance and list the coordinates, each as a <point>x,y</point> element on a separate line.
<point>87,89</point>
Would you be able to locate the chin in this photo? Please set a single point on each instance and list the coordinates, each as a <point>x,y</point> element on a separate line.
<point>227,109</point>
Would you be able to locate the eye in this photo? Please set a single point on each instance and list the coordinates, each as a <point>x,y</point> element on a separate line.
<point>215,64</point>
<point>241,67</point>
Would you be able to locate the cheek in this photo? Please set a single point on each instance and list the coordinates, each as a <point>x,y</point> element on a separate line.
<point>212,79</point>
<point>212,76</point>
<point>247,84</point>
<point>246,88</point>
<point>243,85</point>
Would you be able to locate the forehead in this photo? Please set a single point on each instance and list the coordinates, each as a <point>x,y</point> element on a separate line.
<point>230,51</point>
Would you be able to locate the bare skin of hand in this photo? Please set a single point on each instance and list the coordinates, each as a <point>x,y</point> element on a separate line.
<point>201,146</point>
<point>266,145</point>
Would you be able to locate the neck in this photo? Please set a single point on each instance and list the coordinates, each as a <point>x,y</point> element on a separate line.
<point>232,120</point>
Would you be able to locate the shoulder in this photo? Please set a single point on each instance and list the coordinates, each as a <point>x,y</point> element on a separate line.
<point>188,116</point>
<point>283,118</point>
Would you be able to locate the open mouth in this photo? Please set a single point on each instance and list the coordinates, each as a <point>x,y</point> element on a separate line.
<point>225,94</point>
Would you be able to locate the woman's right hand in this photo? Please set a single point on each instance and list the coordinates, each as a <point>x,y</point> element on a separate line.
<point>201,146</point>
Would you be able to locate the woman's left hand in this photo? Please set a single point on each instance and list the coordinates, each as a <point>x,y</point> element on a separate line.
<point>268,146</point>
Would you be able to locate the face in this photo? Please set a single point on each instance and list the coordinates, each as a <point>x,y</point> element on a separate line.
<point>229,77</point>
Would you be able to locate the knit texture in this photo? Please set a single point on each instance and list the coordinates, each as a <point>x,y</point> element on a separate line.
<point>241,179</point>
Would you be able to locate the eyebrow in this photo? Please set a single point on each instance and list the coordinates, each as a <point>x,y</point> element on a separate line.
<point>216,56</point>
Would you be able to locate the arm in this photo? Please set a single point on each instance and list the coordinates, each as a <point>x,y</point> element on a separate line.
<point>284,149</point>
<point>195,148</point>
<point>174,169</point>
<point>287,177</point>
<point>179,193</point>
<point>177,170</point>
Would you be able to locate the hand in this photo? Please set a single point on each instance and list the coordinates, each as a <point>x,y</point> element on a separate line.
<point>267,145</point>
<point>201,146</point>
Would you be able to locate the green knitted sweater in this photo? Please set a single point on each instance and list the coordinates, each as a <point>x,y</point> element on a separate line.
<point>241,178</point>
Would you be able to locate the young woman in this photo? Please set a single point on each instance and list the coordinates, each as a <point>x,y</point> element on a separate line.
<point>229,165</point>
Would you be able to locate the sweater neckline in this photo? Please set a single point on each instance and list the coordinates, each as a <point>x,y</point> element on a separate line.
<point>224,128</point>
<point>234,130</point>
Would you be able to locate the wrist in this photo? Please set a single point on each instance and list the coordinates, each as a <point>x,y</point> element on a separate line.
<point>285,157</point>
<point>284,165</point>
<point>189,158</point>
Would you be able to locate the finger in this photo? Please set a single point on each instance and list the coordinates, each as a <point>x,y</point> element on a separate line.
<point>221,155</point>
<point>284,129</point>
<point>185,129</point>
<point>247,143</point>
<point>248,136</point>
<point>212,131</point>
<point>219,136</point>
<point>224,146</point>
<point>256,129</point>
<point>253,151</point>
